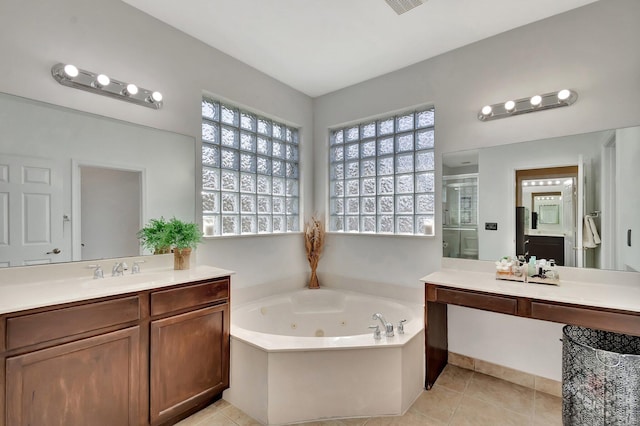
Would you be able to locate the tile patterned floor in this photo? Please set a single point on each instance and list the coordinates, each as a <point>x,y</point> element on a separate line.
<point>460,397</point>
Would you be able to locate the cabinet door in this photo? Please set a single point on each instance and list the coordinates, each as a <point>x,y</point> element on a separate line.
<point>94,381</point>
<point>189,360</point>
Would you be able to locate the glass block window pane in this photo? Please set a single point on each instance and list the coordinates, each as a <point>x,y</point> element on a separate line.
<point>229,115</point>
<point>210,155</point>
<point>210,202</point>
<point>368,130</point>
<point>248,121</point>
<point>250,172</point>
<point>210,179</point>
<point>210,132</point>
<point>352,133</point>
<point>381,175</point>
<point>210,110</point>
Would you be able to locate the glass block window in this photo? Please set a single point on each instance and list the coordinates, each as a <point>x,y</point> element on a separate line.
<point>381,177</point>
<point>250,173</point>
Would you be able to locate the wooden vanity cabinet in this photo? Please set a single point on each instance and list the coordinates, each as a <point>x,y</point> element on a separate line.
<point>438,297</point>
<point>189,359</point>
<point>93,381</point>
<point>147,358</point>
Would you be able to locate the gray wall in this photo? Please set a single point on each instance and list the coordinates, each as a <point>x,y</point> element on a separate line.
<point>591,50</point>
<point>117,39</point>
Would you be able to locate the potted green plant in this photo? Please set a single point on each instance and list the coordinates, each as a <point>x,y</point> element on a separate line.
<point>183,237</point>
<point>154,237</point>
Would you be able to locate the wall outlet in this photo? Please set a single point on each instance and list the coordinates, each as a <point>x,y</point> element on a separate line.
<point>491,226</point>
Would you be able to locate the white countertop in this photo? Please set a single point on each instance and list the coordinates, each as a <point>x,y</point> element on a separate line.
<point>604,294</point>
<point>18,296</point>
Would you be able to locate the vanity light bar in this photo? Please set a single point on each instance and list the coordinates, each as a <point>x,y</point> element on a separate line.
<point>561,98</point>
<point>69,75</point>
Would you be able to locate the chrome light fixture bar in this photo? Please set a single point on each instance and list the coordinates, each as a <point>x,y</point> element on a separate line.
<point>561,98</point>
<point>69,75</point>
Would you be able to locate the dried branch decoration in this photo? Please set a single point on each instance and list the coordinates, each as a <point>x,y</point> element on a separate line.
<point>314,242</point>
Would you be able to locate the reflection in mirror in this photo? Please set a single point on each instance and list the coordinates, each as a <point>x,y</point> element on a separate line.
<point>460,206</point>
<point>540,231</point>
<point>605,207</point>
<point>77,186</point>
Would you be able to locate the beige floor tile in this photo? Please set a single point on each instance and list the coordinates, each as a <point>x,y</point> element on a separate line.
<point>501,393</point>
<point>439,403</point>
<point>454,378</point>
<point>475,412</point>
<point>216,419</point>
<point>206,413</point>
<point>411,418</point>
<point>238,417</point>
<point>547,410</point>
<point>337,422</point>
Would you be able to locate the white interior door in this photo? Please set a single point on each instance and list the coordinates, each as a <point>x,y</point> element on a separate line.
<point>31,212</point>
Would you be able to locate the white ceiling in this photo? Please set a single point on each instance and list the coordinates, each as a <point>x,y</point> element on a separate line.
<point>318,46</point>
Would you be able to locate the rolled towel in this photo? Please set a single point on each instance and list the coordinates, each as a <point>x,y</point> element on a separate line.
<point>590,236</point>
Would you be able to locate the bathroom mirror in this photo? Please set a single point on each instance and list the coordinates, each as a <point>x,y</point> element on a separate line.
<point>78,186</point>
<point>604,190</point>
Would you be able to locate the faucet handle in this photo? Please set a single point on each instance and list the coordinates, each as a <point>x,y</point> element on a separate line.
<point>97,273</point>
<point>401,326</point>
<point>376,332</point>
<point>135,269</point>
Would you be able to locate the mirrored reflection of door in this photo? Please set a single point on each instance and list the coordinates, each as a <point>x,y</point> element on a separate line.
<point>460,216</point>
<point>549,227</point>
<point>110,212</point>
<point>31,212</point>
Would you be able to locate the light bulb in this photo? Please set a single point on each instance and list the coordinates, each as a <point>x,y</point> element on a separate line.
<point>536,100</point>
<point>103,80</point>
<point>564,94</point>
<point>509,105</point>
<point>156,96</point>
<point>486,110</point>
<point>132,89</point>
<point>533,184</point>
<point>525,184</point>
<point>549,182</point>
<point>71,70</point>
<point>557,182</point>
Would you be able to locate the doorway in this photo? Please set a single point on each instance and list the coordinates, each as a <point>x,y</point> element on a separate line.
<point>547,211</point>
<point>110,212</point>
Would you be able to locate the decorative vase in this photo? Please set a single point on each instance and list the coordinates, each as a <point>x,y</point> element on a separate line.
<point>313,281</point>
<point>181,258</point>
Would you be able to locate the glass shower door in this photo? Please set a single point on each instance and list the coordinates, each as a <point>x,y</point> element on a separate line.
<point>460,216</point>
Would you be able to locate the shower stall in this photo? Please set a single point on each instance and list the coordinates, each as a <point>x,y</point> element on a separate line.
<point>460,216</point>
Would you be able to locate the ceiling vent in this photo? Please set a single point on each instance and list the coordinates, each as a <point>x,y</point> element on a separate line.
<point>402,6</point>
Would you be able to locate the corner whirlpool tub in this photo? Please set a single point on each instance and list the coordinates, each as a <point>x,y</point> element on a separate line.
<point>310,355</point>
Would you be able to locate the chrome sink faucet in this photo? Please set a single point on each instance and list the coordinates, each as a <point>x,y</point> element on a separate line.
<point>118,269</point>
<point>386,325</point>
<point>97,273</point>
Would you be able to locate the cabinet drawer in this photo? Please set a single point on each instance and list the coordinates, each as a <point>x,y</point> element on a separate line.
<point>175,299</point>
<point>505,305</point>
<point>50,325</point>
<point>587,317</point>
